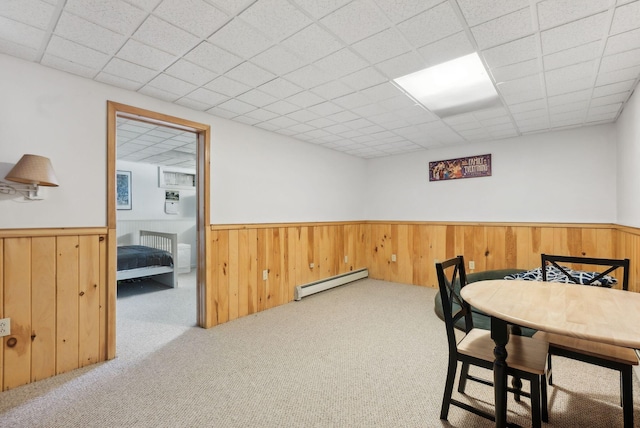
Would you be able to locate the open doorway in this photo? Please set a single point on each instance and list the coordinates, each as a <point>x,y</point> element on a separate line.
<point>158,186</point>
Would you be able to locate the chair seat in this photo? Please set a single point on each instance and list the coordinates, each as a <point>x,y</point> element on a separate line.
<point>523,353</point>
<point>595,349</point>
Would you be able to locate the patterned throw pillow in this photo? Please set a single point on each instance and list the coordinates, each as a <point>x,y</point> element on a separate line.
<point>556,275</point>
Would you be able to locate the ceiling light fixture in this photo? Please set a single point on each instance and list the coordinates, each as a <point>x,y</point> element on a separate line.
<point>453,87</point>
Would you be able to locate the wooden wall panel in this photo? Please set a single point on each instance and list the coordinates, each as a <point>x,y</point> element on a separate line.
<point>67,314</point>
<point>234,298</point>
<point>43,308</point>
<point>17,306</point>
<point>89,300</point>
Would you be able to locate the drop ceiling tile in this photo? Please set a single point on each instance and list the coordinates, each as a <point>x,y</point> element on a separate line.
<point>162,35</point>
<point>370,110</point>
<point>221,112</point>
<point>205,96</point>
<point>399,10</point>
<point>301,128</point>
<point>384,45</point>
<point>193,104</point>
<point>618,76</point>
<point>503,29</point>
<point>552,13</point>
<point>571,56</point>
<point>358,123</point>
<point>21,34</point>
<point>250,74</point>
<point>621,60</point>
<point>352,100</point>
<point>241,39</point>
<point>228,87</point>
<point>332,90</point>
<point>364,78</point>
<point>24,52</point>
<point>479,11</point>
<point>325,109</point>
<point>597,119</point>
<point>626,18</point>
<point>431,25</point>
<point>127,70</point>
<point>115,15</point>
<point>402,65</point>
<point>573,34</point>
<point>275,18</point>
<point>147,5</point>
<point>120,82</point>
<point>446,49</point>
<point>613,88</point>
<point>156,92</point>
<point>67,65</point>
<point>88,34</point>
<point>305,99</point>
<point>318,9</point>
<point>570,107</point>
<point>303,116</point>
<point>236,106</point>
<point>278,60</point>
<point>282,107</point>
<point>282,122</point>
<point>246,120</point>
<point>529,94</point>
<point>190,72</point>
<point>33,13</point>
<point>356,21</point>
<point>321,122</point>
<point>257,98</point>
<point>524,84</point>
<point>383,91</point>
<point>261,115</point>
<point>146,56</point>
<point>569,98</point>
<point>623,42</point>
<point>516,71</point>
<point>307,77</point>
<point>280,88</point>
<point>76,53</point>
<point>231,7</point>
<point>213,58</point>
<point>531,114</point>
<point>338,128</point>
<point>564,86</point>
<point>340,64</point>
<point>172,85</point>
<point>560,76</point>
<point>196,16</point>
<point>343,116</point>
<point>611,99</point>
<point>604,109</point>
<point>511,53</point>
<point>312,43</point>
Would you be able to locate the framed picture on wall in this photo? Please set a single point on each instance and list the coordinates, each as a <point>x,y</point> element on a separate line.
<point>123,190</point>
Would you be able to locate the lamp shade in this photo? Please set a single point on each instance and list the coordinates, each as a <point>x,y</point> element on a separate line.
<point>33,169</point>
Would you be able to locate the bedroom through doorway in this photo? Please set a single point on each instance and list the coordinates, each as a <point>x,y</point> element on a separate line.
<point>156,228</point>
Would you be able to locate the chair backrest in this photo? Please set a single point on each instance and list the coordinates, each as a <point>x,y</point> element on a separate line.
<point>451,278</point>
<point>606,266</point>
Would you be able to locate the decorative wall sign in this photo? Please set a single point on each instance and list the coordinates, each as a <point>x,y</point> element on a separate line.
<point>468,167</point>
<point>123,190</point>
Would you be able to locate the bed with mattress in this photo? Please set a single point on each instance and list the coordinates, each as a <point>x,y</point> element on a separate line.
<point>155,256</point>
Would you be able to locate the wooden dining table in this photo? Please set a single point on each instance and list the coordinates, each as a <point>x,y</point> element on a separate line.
<point>586,312</point>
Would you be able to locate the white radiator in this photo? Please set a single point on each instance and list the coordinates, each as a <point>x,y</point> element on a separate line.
<point>325,284</point>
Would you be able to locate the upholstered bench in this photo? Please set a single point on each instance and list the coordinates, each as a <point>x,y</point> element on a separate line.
<point>480,319</point>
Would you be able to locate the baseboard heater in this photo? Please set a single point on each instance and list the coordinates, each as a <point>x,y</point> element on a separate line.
<point>325,284</point>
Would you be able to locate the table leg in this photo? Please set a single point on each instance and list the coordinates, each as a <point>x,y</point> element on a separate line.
<point>500,335</point>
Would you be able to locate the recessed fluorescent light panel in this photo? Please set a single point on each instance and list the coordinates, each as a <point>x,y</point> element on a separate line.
<point>453,87</point>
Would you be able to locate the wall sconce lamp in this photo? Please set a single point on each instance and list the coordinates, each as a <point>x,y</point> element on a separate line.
<point>33,171</point>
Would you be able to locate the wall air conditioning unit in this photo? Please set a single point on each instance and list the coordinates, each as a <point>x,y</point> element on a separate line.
<point>176,178</point>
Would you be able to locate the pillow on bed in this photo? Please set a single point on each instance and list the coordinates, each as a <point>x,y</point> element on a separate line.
<point>556,275</point>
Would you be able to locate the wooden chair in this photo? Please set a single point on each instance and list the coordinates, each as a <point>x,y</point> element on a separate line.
<point>526,356</point>
<point>603,355</point>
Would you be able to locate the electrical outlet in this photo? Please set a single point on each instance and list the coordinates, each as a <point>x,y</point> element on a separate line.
<point>311,265</point>
<point>5,327</point>
<point>265,274</point>
<point>346,259</point>
<point>393,257</point>
<point>472,265</point>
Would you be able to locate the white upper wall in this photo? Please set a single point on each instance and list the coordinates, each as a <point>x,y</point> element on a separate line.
<point>256,176</point>
<point>628,160</point>
<point>566,176</point>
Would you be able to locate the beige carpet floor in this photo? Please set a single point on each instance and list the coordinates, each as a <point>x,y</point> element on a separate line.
<point>367,354</point>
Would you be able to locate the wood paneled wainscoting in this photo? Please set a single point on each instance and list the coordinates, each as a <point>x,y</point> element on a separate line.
<point>240,254</point>
<point>53,288</point>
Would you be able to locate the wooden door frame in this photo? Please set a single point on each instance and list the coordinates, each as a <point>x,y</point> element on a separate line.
<point>205,314</point>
